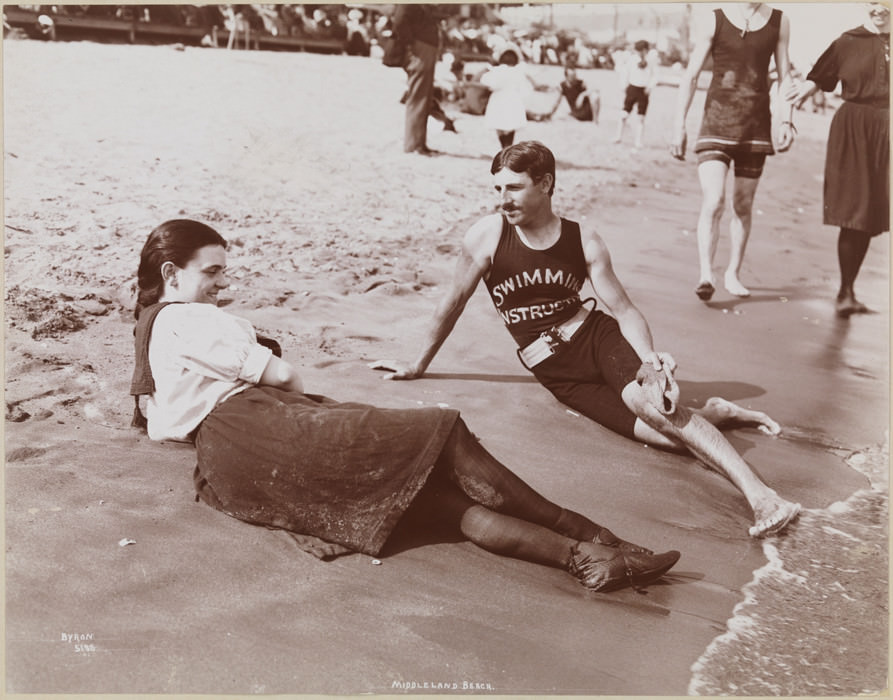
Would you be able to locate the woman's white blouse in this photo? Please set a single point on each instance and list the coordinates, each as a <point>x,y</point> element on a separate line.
<point>199,356</point>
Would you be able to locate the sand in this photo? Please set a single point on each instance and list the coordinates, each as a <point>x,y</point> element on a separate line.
<point>341,245</point>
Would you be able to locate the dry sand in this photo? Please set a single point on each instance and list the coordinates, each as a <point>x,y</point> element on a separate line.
<point>341,244</point>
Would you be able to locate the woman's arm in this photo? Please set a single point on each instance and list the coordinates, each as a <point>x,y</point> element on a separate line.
<point>282,375</point>
<point>798,92</point>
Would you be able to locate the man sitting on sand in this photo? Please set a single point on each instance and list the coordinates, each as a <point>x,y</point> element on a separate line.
<point>534,264</point>
<point>584,104</point>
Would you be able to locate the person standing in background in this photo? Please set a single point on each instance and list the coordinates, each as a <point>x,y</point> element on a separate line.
<point>737,125</point>
<point>857,162</point>
<point>508,82</point>
<point>418,28</point>
<point>639,79</point>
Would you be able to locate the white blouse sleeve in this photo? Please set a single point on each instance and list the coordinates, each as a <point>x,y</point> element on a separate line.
<point>204,339</point>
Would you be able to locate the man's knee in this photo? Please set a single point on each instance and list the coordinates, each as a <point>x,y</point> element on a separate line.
<point>742,203</point>
<point>648,413</point>
<point>713,201</point>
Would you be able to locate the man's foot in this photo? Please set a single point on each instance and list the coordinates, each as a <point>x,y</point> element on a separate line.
<point>450,125</point>
<point>734,286</point>
<point>722,412</point>
<point>594,571</point>
<point>705,290</point>
<point>847,306</point>
<point>425,151</point>
<point>773,516</point>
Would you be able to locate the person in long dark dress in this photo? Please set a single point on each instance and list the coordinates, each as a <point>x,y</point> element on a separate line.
<point>339,475</point>
<point>857,161</point>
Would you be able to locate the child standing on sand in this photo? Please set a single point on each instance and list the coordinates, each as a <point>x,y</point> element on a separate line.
<point>508,82</point>
<point>638,77</point>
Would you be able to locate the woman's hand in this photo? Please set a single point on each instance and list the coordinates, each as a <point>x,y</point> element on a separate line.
<point>798,91</point>
<point>282,375</point>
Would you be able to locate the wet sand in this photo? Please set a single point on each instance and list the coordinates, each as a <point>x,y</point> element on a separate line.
<point>340,247</point>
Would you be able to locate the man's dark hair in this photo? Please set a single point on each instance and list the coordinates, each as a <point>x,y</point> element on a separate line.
<point>529,157</point>
<point>642,45</point>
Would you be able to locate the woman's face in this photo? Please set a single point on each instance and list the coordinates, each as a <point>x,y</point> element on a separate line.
<point>200,280</point>
<point>879,16</point>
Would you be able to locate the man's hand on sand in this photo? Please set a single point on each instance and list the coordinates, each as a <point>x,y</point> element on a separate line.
<point>395,370</point>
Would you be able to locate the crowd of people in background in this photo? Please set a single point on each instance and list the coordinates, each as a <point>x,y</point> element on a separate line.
<point>467,30</point>
<point>354,27</point>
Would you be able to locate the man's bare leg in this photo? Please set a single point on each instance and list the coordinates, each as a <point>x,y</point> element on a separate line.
<point>618,137</point>
<point>712,175</point>
<point>724,414</point>
<point>689,430</point>
<point>739,228</point>
<point>639,129</point>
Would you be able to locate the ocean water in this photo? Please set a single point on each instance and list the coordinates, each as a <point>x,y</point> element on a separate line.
<point>814,619</point>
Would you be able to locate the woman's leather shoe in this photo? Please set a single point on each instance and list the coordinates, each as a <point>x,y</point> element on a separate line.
<point>627,568</point>
<point>609,539</point>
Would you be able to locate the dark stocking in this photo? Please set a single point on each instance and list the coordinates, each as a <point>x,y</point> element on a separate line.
<point>471,490</point>
<point>444,503</point>
<point>852,245</point>
<point>483,478</point>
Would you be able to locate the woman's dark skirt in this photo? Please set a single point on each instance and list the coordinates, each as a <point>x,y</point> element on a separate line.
<point>857,169</point>
<point>342,472</point>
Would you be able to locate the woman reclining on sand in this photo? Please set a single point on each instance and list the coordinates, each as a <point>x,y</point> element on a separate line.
<point>272,455</point>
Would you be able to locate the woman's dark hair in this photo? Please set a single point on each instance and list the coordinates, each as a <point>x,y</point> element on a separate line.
<point>529,157</point>
<point>176,241</point>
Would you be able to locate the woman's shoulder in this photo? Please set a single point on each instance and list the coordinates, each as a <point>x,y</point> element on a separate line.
<point>856,33</point>
<point>179,314</point>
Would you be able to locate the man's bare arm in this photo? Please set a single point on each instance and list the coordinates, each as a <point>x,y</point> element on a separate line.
<point>784,109</point>
<point>472,264</point>
<point>688,85</point>
<point>614,297</point>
